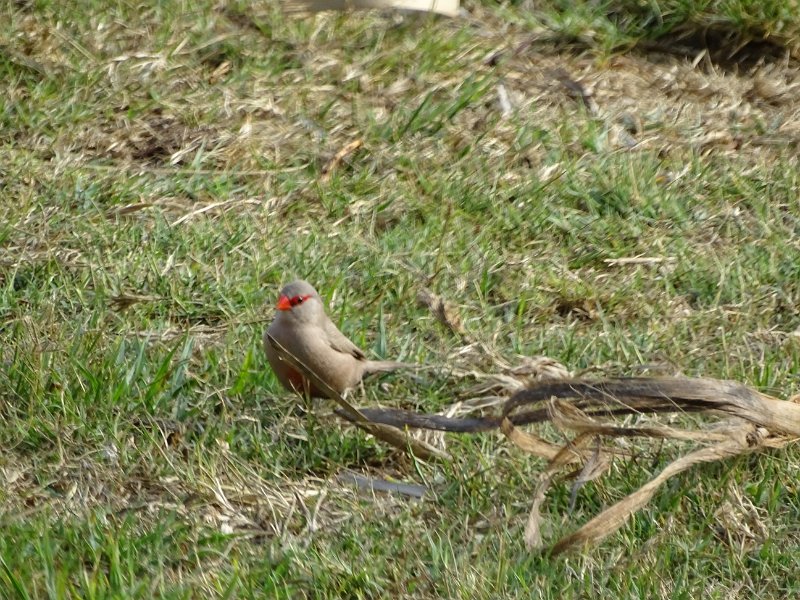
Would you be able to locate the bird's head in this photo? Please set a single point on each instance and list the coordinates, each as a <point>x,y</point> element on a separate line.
<point>300,303</point>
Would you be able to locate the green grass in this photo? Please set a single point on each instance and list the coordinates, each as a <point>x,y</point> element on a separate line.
<point>161,177</point>
<point>613,25</point>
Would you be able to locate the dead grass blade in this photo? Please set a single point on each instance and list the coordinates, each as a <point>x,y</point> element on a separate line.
<point>372,484</point>
<point>334,163</point>
<point>386,433</point>
<point>443,7</point>
<point>639,260</point>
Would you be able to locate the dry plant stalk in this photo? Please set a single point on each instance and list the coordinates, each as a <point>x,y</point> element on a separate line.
<point>391,435</point>
<point>763,422</point>
<point>615,516</point>
<point>580,406</point>
<point>448,8</point>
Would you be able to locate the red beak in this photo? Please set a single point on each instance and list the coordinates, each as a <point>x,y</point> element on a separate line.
<point>284,303</point>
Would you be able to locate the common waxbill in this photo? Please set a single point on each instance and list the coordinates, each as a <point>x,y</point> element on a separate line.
<point>302,327</point>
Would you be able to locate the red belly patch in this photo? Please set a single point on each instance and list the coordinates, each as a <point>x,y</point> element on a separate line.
<point>295,379</point>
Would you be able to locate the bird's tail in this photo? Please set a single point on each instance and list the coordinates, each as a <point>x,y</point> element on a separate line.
<point>386,366</point>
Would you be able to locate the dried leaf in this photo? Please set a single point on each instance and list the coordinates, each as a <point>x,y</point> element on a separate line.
<point>566,455</point>
<point>339,157</point>
<point>667,394</point>
<point>444,312</point>
<point>530,443</point>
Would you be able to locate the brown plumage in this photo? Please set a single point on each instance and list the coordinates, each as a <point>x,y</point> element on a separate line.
<point>302,327</point>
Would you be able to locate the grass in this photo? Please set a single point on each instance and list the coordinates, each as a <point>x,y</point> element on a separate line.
<point>161,177</point>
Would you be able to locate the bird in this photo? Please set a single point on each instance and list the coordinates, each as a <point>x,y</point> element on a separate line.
<point>303,328</point>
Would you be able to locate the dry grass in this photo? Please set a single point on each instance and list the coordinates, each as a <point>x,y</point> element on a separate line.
<point>572,190</point>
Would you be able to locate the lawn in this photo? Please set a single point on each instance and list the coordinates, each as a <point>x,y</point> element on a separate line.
<point>613,185</point>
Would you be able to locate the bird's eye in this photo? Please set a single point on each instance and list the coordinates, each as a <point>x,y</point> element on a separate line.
<point>298,300</point>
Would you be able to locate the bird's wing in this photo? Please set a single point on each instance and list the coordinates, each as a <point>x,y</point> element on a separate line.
<point>339,341</point>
